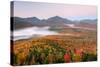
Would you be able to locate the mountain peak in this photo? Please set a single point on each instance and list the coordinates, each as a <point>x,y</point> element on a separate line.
<point>55,17</point>
<point>35,18</point>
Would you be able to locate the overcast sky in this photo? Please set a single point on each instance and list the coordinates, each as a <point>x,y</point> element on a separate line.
<point>46,10</point>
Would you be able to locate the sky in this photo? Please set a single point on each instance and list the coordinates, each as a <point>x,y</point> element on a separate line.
<point>46,10</point>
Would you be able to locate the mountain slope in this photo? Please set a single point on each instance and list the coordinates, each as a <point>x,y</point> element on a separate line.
<point>87,23</point>
<point>53,22</point>
<point>19,23</point>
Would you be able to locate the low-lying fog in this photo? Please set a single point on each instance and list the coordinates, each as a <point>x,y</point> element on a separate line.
<point>39,31</point>
<point>32,32</point>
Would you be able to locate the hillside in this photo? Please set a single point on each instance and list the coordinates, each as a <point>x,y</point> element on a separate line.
<point>19,23</point>
<point>55,21</point>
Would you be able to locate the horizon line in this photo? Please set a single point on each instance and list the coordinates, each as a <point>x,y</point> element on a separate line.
<point>69,18</point>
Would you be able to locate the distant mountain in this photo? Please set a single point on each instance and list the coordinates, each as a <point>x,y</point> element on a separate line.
<point>87,23</point>
<point>32,19</point>
<point>35,21</point>
<point>19,23</point>
<point>52,21</point>
<point>55,21</point>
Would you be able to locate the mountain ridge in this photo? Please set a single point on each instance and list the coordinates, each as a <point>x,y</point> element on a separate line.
<point>55,21</point>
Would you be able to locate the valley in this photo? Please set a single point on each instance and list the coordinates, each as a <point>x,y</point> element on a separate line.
<point>52,48</point>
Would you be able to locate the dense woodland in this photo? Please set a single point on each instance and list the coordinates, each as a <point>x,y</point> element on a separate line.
<point>79,47</point>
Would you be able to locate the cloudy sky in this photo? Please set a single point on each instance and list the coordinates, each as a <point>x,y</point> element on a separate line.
<point>46,10</point>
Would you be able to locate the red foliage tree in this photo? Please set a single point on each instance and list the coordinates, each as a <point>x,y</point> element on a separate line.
<point>67,58</point>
